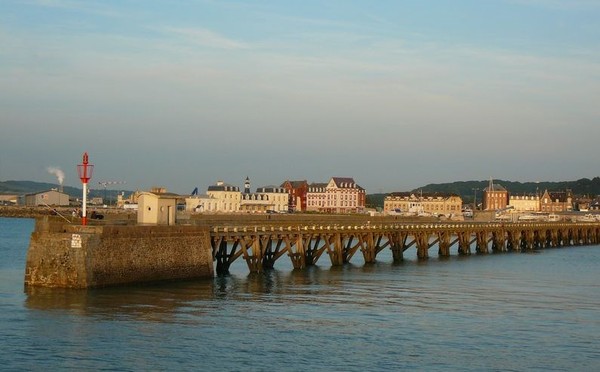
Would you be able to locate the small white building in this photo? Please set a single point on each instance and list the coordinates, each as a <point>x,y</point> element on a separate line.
<point>50,197</point>
<point>157,209</point>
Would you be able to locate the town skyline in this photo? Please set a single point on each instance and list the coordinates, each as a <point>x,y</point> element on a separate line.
<point>396,95</point>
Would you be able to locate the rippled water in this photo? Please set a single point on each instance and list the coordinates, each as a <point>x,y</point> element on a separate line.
<point>509,312</point>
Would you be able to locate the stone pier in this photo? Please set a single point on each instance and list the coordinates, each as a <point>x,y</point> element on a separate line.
<point>70,256</point>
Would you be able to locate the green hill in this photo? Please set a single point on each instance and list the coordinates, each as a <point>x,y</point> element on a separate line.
<point>29,187</point>
<point>467,189</point>
<point>582,187</point>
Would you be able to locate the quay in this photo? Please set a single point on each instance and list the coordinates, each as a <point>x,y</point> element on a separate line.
<point>72,256</point>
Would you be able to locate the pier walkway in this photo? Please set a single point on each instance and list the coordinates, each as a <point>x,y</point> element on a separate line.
<point>262,245</point>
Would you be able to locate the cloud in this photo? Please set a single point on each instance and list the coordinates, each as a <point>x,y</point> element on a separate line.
<point>207,38</point>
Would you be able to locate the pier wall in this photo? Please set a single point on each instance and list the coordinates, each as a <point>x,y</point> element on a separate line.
<point>69,256</point>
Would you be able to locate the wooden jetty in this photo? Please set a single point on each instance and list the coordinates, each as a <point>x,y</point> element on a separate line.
<point>262,245</point>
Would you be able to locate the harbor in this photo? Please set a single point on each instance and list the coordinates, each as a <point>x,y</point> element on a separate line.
<point>106,254</point>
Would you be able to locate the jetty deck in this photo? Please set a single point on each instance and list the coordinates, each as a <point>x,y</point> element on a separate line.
<point>262,245</point>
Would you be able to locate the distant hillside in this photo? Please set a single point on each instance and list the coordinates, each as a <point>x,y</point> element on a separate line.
<point>582,187</point>
<point>29,187</point>
<point>465,189</point>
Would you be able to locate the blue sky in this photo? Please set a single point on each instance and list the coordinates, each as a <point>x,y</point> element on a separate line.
<point>396,94</point>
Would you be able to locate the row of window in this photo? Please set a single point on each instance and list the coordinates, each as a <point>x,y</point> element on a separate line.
<point>426,207</point>
<point>322,203</point>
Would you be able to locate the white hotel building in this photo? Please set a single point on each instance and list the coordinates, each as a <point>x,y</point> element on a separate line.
<point>339,195</point>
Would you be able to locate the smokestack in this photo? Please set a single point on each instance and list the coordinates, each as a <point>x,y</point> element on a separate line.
<point>60,176</point>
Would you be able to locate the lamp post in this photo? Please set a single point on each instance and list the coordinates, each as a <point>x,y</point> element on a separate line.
<point>85,174</point>
<point>475,198</point>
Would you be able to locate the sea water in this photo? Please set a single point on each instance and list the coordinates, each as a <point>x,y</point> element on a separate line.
<point>508,312</point>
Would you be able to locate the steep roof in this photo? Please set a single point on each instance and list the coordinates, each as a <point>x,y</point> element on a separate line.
<point>561,196</point>
<point>494,187</point>
<point>295,184</point>
<point>343,181</point>
<point>223,187</point>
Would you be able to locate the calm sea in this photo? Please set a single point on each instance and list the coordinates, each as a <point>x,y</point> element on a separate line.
<point>509,312</point>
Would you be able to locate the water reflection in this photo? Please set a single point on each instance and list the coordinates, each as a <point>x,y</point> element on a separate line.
<point>158,302</point>
<point>166,302</point>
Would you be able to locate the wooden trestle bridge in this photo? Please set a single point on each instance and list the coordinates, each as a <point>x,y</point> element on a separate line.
<point>261,246</point>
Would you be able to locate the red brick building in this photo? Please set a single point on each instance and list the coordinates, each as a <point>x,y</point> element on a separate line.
<point>297,195</point>
<point>494,197</point>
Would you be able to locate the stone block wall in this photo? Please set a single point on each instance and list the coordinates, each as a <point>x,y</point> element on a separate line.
<point>95,256</point>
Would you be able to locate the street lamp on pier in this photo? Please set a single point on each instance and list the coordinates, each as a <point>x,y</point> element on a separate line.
<point>85,171</point>
<point>475,189</point>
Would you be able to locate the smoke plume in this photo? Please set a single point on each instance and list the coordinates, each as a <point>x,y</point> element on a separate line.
<point>60,175</point>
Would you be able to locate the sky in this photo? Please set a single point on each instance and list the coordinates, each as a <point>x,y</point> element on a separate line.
<point>396,94</point>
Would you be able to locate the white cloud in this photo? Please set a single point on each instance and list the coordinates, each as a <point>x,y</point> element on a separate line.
<point>207,38</point>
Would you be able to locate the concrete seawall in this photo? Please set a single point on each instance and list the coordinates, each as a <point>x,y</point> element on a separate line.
<point>70,256</point>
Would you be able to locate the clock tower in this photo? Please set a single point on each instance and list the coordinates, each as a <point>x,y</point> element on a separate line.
<point>247,186</point>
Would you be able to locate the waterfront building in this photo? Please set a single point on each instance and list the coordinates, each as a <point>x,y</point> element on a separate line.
<point>297,191</point>
<point>524,203</point>
<point>9,199</point>
<point>203,204</point>
<point>495,197</point>
<point>556,201</point>
<point>265,199</point>
<point>582,203</point>
<point>339,195</point>
<point>128,202</point>
<point>316,196</point>
<point>52,198</point>
<point>415,203</point>
<point>228,197</point>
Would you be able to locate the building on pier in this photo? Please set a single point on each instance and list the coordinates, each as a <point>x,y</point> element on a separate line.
<point>157,208</point>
